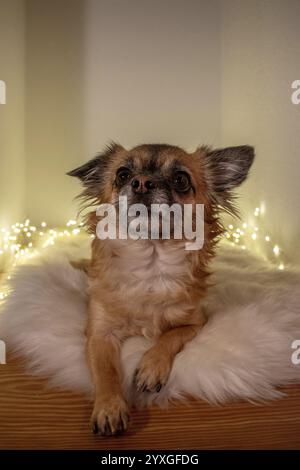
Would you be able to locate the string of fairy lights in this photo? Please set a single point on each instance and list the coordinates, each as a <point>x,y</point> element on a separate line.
<point>23,241</point>
<point>250,236</point>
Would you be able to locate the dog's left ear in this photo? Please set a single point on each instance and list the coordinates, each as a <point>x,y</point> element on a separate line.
<point>225,169</point>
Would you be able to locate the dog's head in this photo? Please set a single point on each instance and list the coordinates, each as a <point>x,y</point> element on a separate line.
<point>159,173</point>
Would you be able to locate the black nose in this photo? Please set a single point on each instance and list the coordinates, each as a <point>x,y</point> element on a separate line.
<point>142,184</point>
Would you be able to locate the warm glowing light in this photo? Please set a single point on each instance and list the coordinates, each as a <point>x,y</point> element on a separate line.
<point>24,240</point>
<point>71,222</point>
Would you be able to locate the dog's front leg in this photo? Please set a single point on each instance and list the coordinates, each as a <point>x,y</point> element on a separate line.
<point>111,414</point>
<point>155,366</point>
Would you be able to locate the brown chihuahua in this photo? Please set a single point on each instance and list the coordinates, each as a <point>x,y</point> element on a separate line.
<point>150,287</point>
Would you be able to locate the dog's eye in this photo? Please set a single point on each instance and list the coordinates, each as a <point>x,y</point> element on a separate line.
<point>123,175</point>
<point>182,182</point>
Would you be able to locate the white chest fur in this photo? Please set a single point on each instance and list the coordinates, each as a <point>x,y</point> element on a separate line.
<point>149,266</point>
<point>145,280</point>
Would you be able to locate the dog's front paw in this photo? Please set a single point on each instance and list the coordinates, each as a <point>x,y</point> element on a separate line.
<point>152,372</point>
<point>110,416</point>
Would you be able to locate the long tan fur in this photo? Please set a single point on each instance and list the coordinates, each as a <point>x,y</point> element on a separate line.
<point>143,287</point>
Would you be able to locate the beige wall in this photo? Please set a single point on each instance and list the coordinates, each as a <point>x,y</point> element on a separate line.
<point>152,72</point>
<point>12,144</point>
<point>98,70</point>
<point>185,72</point>
<point>261,59</point>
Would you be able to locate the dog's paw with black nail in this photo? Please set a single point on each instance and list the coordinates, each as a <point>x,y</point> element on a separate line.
<point>110,417</point>
<point>152,372</point>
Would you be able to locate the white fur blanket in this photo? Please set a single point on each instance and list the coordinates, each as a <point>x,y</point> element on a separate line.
<point>244,351</point>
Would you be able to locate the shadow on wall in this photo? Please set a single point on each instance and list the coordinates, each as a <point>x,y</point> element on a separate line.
<point>12,108</point>
<point>55,105</point>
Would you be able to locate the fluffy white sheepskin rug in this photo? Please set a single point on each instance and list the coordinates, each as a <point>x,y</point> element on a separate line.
<point>244,351</point>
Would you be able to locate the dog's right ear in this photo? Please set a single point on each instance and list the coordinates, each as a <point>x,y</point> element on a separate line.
<point>91,171</point>
<point>85,171</point>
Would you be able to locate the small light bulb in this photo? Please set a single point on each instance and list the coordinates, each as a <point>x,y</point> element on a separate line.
<point>253,236</point>
<point>43,224</point>
<point>281,266</point>
<point>276,250</point>
<point>267,238</point>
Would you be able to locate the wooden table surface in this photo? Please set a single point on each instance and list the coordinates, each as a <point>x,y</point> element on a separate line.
<point>32,416</point>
